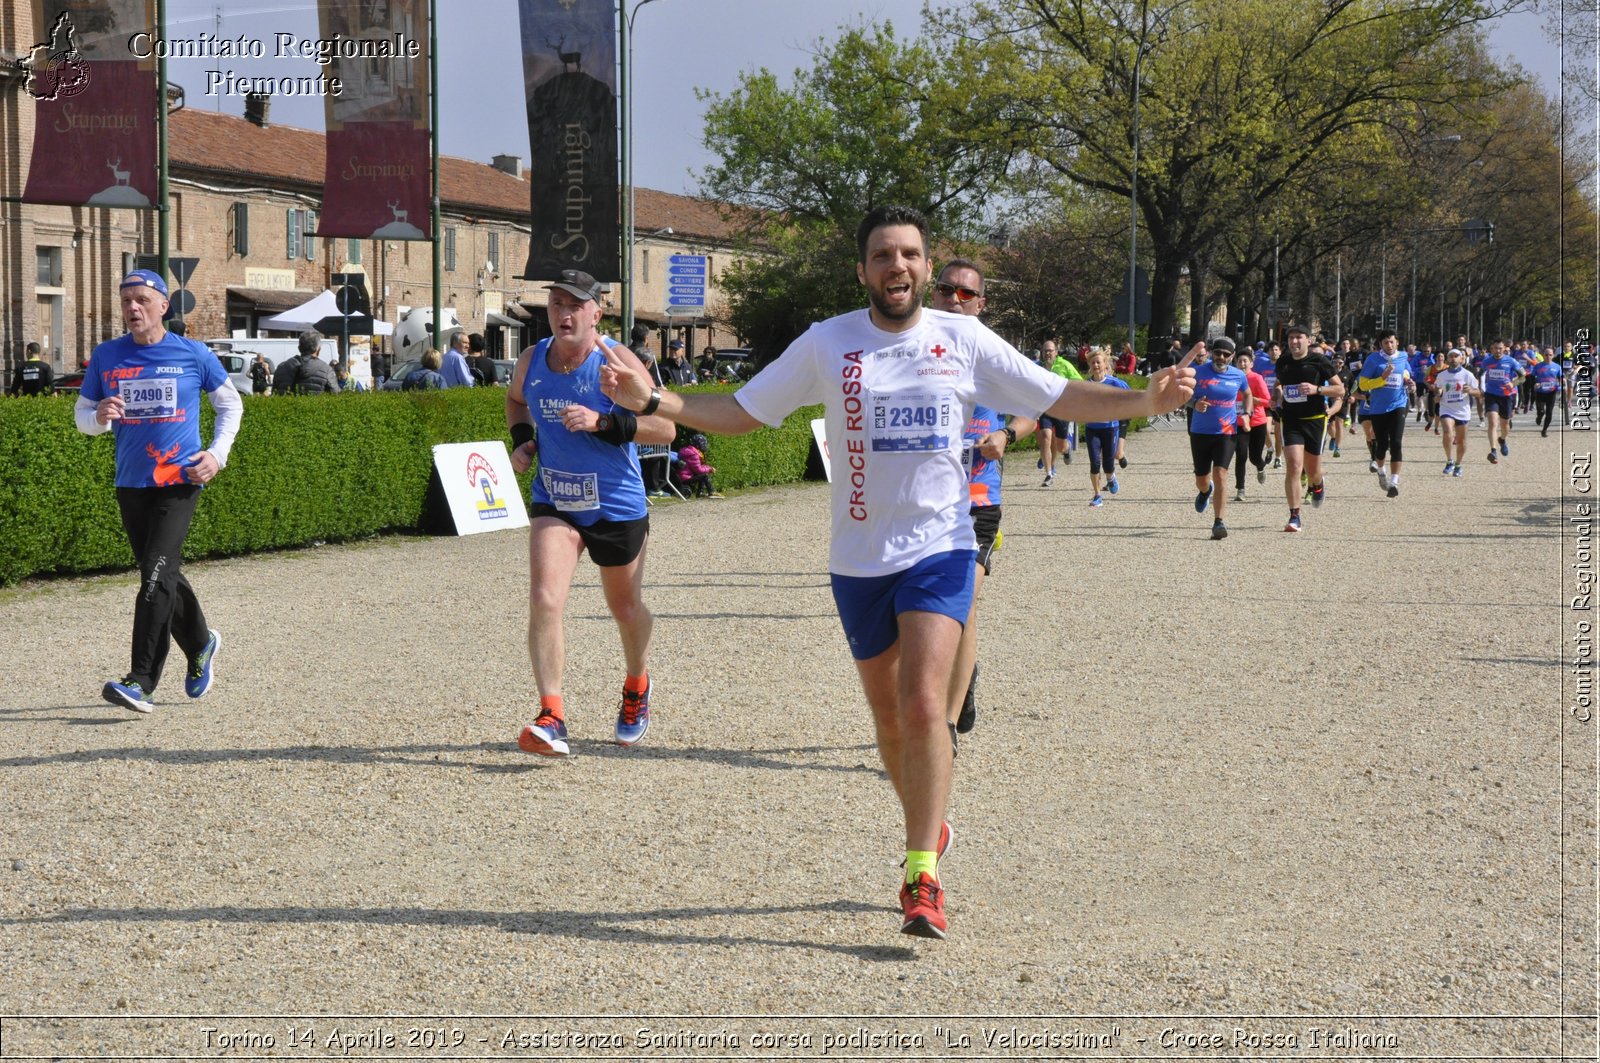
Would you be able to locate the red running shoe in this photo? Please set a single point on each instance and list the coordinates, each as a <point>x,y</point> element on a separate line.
<point>922,902</point>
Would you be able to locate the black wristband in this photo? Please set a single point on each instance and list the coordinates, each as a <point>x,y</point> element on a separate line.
<point>521,433</point>
<point>617,427</point>
<point>654,403</point>
<point>1011,435</point>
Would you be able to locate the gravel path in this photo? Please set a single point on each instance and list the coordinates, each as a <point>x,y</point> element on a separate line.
<point>1314,777</point>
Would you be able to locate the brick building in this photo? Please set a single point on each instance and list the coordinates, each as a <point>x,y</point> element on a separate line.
<point>244,200</point>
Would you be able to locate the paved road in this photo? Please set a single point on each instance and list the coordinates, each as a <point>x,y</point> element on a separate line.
<point>1313,776</point>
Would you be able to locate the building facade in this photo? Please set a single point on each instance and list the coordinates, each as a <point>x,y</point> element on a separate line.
<point>244,198</point>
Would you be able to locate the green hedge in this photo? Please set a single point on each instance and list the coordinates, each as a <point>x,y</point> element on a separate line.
<point>304,468</point>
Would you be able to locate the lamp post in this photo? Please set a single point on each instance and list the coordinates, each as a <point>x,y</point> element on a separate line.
<point>626,69</point>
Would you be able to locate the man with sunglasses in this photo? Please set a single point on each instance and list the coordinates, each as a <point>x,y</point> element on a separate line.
<point>960,291</point>
<point>898,384</point>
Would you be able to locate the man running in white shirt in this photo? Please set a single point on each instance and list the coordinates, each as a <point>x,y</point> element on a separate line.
<point>899,383</point>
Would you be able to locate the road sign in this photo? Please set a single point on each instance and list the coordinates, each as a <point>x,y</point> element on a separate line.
<point>183,302</point>
<point>686,285</point>
<point>1141,299</point>
<point>1279,308</point>
<point>182,269</point>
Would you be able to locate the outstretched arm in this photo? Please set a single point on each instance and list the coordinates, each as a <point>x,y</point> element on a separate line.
<point>1084,400</point>
<point>629,387</point>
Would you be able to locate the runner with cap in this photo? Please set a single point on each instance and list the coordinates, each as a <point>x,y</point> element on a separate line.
<point>1221,399</point>
<point>1455,387</point>
<point>589,495</point>
<point>145,386</point>
<point>1305,384</point>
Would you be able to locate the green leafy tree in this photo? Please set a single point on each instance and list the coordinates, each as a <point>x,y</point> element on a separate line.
<point>1239,100</point>
<point>875,121</point>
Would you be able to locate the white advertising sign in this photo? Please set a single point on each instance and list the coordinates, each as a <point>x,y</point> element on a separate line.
<point>819,428</point>
<point>480,486</point>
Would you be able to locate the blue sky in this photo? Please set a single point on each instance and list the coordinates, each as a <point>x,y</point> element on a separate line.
<point>679,45</point>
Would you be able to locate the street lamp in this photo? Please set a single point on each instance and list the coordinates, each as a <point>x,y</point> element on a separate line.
<point>627,158</point>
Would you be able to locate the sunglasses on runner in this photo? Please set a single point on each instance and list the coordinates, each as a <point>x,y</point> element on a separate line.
<point>956,291</point>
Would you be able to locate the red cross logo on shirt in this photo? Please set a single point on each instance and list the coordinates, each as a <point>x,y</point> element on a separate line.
<point>938,350</point>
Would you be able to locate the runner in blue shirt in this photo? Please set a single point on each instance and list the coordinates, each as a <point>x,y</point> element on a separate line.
<point>1500,375</point>
<point>1103,438</point>
<point>1221,398</point>
<point>960,291</point>
<point>588,495</point>
<point>1547,384</point>
<point>145,386</point>
<point>1386,380</point>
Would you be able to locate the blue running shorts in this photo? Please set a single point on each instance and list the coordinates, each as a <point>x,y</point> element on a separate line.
<point>870,606</point>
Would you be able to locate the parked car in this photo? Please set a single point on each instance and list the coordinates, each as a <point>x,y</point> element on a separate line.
<point>401,371</point>
<point>503,368</point>
<point>735,363</point>
<point>69,383</point>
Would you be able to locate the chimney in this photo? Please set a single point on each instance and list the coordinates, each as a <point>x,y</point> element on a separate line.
<point>255,108</point>
<point>511,164</point>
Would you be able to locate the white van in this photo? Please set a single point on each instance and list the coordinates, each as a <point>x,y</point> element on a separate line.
<point>275,349</point>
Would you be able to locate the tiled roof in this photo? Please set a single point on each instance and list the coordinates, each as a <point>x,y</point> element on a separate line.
<point>223,148</point>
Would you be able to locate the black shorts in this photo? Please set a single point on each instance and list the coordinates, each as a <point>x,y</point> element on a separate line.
<point>1304,432</point>
<point>986,523</point>
<point>1500,404</point>
<point>1055,424</point>
<point>1212,452</point>
<point>611,543</point>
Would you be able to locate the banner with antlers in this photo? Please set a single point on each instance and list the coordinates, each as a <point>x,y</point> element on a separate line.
<point>376,180</point>
<point>94,132</point>
<point>569,61</point>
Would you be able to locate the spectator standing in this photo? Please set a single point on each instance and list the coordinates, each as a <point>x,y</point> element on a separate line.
<point>678,372</point>
<point>478,360</point>
<point>260,375</point>
<point>35,376</point>
<point>425,377</point>
<point>454,369</point>
<point>305,373</point>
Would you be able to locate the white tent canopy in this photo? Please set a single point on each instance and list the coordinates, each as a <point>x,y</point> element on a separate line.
<point>309,314</point>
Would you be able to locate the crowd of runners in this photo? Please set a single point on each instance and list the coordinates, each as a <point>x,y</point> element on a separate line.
<point>921,403</point>
<point>1288,409</point>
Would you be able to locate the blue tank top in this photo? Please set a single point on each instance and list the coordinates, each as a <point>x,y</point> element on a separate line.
<point>585,478</point>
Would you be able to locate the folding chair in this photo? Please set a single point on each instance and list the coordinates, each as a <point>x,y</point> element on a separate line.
<point>662,453</point>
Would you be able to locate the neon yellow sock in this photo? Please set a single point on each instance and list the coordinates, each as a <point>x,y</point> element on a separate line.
<point>921,863</point>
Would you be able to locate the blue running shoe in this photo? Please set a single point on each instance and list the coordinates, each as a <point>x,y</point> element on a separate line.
<point>1097,501</point>
<point>546,736</point>
<point>1448,466</point>
<point>128,694</point>
<point>1505,451</point>
<point>1112,485</point>
<point>1219,530</point>
<point>1202,500</point>
<point>633,716</point>
<point>1294,523</point>
<point>198,681</point>
<point>1457,471</point>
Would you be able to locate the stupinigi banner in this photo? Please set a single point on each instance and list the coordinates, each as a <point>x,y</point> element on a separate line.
<point>569,61</point>
<point>376,182</point>
<point>94,134</point>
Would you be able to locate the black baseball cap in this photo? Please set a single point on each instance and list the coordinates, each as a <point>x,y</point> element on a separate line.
<point>577,282</point>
